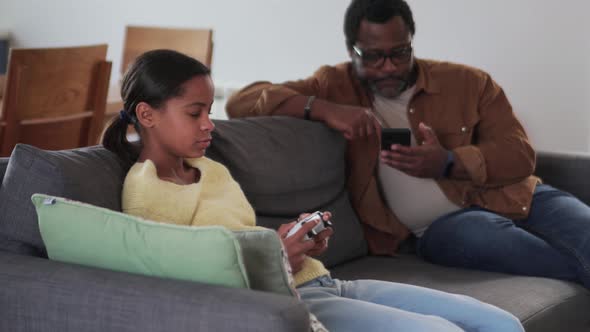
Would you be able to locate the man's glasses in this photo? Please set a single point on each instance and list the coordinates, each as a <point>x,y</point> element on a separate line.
<point>376,59</point>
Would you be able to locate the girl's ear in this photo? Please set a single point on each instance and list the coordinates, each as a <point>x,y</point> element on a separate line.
<point>145,115</point>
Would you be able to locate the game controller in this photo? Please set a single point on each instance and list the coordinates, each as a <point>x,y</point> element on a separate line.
<point>314,231</point>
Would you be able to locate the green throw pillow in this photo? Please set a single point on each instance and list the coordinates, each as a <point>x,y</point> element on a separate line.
<point>266,262</point>
<point>79,233</point>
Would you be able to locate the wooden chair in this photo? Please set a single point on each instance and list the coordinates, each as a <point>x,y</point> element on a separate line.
<point>196,43</point>
<point>55,97</point>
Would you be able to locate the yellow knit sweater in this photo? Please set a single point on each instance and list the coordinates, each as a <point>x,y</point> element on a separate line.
<point>215,200</point>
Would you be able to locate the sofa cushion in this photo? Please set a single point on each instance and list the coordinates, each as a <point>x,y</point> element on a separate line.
<point>84,234</point>
<point>288,166</point>
<point>284,165</point>
<point>541,304</point>
<point>567,171</point>
<point>92,175</point>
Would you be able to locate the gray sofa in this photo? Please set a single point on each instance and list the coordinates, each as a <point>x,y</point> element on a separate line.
<point>285,166</point>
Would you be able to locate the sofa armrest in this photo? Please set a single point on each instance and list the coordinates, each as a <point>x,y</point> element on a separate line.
<point>566,171</point>
<point>42,295</point>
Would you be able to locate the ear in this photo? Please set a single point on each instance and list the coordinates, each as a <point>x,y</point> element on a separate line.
<point>145,115</point>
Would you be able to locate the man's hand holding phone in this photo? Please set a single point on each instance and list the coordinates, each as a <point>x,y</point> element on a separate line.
<point>428,160</point>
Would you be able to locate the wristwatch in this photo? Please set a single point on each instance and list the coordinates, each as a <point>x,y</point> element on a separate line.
<point>307,109</point>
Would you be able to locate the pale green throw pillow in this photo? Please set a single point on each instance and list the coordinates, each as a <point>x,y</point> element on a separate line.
<point>79,233</point>
<point>266,262</point>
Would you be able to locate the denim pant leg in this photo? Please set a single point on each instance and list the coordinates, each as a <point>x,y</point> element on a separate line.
<point>371,305</point>
<point>564,222</point>
<point>476,238</point>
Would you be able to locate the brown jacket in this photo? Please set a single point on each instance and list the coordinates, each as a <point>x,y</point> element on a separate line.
<point>470,115</point>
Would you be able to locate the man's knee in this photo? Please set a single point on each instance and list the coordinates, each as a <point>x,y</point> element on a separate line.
<point>467,225</point>
<point>460,237</point>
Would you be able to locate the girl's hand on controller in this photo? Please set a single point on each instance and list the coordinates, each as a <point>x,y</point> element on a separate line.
<point>295,245</point>
<point>321,240</point>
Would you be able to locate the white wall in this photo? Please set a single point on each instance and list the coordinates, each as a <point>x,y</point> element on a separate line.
<point>538,50</point>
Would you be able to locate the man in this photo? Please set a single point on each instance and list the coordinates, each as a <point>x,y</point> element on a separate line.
<point>465,186</point>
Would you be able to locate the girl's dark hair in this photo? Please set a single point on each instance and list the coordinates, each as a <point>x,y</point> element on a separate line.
<point>153,78</point>
<point>375,11</point>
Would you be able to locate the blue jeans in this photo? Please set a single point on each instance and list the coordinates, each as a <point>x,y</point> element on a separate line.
<point>371,305</point>
<point>553,242</point>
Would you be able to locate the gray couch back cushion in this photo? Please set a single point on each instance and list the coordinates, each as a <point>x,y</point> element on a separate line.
<point>93,175</point>
<point>569,171</point>
<point>288,166</point>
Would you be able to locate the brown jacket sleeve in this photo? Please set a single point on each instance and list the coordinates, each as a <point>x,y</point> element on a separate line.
<point>263,98</point>
<point>500,153</point>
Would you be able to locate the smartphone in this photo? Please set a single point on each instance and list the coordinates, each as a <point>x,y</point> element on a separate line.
<point>389,136</point>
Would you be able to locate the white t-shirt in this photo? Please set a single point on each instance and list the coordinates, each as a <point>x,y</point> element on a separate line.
<point>417,202</point>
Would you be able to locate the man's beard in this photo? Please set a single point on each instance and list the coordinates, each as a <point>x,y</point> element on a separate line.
<point>403,84</point>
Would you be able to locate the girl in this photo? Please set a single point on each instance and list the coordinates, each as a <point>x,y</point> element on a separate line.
<point>167,98</point>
